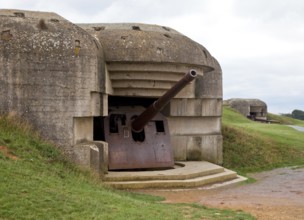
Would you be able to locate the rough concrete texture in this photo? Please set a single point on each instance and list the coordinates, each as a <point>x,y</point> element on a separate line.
<point>184,175</point>
<point>58,76</point>
<point>93,155</point>
<point>50,69</point>
<point>198,147</point>
<point>194,107</point>
<point>149,43</point>
<point>87,155</point>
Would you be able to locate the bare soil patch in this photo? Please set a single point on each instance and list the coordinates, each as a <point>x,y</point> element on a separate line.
<point>277,194</point>
<point>6,153</point>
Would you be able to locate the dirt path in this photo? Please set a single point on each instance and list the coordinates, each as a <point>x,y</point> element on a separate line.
<point>277,194</point>
<point>298,128</point>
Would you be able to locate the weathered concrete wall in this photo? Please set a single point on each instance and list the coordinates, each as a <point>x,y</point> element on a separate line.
<point>51,73</point>
<point>131,42</point>
<point>199,134</point>
<point>93,155</point>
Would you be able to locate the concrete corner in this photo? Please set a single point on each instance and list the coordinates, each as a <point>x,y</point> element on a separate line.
<point>92,155</point>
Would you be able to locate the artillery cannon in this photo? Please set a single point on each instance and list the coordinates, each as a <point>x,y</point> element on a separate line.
<point>140,138</point>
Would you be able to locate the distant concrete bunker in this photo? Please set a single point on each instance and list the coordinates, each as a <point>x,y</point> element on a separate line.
<point>254,109</point>
<point>69,79</point>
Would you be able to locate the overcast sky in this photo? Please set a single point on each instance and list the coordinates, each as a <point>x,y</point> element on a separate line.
<point>259,43</point>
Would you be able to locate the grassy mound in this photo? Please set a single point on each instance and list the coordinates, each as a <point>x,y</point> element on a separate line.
<point>285,120</point>
<point>254,146</point>
<point>37,182</point>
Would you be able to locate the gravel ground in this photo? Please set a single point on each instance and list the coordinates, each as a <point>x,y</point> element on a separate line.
<point>277,194</point>
<point>299,128</point>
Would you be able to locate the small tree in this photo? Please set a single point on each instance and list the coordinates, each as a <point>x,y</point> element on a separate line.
<point>298,114</point>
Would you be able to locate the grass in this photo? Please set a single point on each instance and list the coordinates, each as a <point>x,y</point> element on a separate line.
<point>37,182</point>
<point>285,120</point>
<point>252,146</point>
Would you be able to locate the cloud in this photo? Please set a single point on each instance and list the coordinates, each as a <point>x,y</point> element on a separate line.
<point>277,80</point>
<point>259,43</point>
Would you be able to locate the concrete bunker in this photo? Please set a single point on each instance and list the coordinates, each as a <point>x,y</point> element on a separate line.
<point>253,109</point>
<point>66,79</point>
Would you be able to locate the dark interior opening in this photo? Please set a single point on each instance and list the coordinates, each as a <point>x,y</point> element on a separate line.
<point>114,120</point>
<point>160,126</point>
<point>115,101</point>
<point>98,129</point>
<point>138,136</point>
<point>253,113</point>
<point>136,28</point>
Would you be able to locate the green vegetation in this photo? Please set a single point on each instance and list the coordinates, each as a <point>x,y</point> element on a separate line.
<point>297,114</point>
<point>253,146</point>
<point>285,119</point>
<point>37,182</point>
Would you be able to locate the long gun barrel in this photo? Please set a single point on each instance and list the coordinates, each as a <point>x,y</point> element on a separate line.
<point>139,123</point>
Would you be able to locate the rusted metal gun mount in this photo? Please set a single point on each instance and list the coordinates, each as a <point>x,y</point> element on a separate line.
<point>141,139</point>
